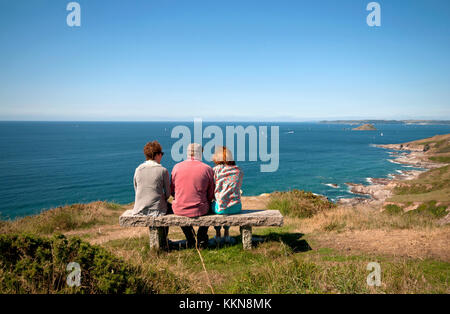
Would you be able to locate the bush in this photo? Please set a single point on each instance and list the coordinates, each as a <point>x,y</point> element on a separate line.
<point>430,208</point>
<point>301,204</point>
<point>31,264</point>
<point>392,209</point>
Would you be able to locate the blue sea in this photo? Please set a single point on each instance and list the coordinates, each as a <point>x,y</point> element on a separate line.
<point>49,164</point>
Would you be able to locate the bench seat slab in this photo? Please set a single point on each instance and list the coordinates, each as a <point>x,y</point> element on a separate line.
<point>246,218</point>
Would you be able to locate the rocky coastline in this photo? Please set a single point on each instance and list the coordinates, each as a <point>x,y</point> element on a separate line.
<point>380,189</point>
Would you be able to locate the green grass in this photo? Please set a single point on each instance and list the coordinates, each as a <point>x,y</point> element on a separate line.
<point>285,263</point>
<point>335,226</point>
<point>430,208</point>
<point>442,146</point>
<point>66,218</point>
<point>444,159</point>
<point>392,209</point>
<point>426,212</point>
<point>431,185</point>
<point>301,204</point>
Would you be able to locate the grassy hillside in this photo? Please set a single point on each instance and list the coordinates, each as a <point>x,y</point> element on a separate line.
<point>324,249</point>
<point>433,185</point>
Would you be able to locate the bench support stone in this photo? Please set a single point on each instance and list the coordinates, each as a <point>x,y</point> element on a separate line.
<point>246,234</point>
<point>157,238</point>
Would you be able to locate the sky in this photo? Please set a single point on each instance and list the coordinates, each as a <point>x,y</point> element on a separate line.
<point>244,60</point>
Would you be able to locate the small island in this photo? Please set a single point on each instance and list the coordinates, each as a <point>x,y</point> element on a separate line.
<point>365,127</point>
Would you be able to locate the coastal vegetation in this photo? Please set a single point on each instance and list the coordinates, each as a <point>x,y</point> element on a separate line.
<point>71,217</point>
<point>32,264</point>
<point>298,203</point>
<point>301,257</point>
<point>445,159</point>
<point>432,185</point>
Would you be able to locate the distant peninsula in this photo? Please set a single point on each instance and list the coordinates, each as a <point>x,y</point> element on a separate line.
<point>353,122</point>
<point>365,127</point>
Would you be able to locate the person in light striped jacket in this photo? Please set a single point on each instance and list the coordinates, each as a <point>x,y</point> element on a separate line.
<point>228,181</point>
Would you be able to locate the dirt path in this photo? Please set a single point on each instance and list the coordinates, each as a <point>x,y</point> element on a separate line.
<point>405,243</point>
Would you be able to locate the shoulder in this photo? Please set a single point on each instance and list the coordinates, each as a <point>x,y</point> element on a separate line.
<point>140,167</point>
<point>207,167</point>
<point>162,169</point>
<point>236,170</point>
<point>178,165</point>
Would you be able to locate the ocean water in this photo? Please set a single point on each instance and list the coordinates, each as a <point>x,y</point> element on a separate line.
<point>49,164</point>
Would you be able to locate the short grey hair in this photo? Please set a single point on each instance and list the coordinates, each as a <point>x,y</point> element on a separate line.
<point>195,150</point>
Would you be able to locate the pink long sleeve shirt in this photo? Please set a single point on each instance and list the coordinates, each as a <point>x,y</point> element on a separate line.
<point>192,186</point>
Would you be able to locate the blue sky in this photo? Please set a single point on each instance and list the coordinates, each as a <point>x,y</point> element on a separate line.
<point>224,60</point>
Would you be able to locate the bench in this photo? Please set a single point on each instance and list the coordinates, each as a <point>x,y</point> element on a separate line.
<point>245,220</point>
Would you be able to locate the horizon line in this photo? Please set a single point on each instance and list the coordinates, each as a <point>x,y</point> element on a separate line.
<point>212,120</point>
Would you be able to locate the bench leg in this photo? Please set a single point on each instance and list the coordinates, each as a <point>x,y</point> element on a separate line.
<point>246,234</point>
<point>157,238</point>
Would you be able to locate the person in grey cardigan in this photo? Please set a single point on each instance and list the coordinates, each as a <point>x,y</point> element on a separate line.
<point>151,184</point>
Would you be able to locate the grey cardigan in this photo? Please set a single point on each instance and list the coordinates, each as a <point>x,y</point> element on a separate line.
<point>152,189</point>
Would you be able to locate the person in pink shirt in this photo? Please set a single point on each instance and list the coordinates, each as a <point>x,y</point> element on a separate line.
<point>192,187</point>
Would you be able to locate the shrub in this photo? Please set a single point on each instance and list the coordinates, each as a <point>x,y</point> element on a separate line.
<point>301,204</point>
<point>392,209</point>
<point>31,264</point>
<point>430,208</point>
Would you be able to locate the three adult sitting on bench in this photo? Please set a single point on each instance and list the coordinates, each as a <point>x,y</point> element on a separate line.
<point>193,184</point>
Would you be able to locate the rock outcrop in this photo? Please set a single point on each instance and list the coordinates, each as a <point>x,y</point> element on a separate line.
<point>365,127</point>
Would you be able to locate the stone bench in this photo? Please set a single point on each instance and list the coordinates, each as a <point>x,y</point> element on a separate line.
<point>245,220</point>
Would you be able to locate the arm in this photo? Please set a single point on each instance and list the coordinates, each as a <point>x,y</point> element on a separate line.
<point>211,186</point>
<point>172,183</point>
<point>167,187</point>
<point>134,181</point>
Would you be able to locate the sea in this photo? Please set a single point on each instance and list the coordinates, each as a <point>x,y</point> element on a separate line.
<point>49,164</point>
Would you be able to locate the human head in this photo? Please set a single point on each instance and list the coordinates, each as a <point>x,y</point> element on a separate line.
<point>195,151</point>
<point>223,156</point>
<point>153,151</point>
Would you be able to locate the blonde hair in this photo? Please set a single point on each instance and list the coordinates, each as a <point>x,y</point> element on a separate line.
<point>223,156</point>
